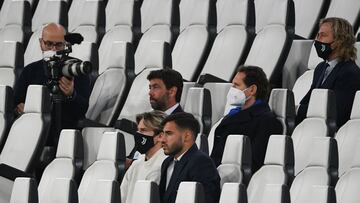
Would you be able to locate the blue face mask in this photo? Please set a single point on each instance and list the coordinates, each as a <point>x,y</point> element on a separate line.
<point>323,50</point>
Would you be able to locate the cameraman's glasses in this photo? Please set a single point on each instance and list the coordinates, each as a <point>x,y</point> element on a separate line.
<point>57,45</point>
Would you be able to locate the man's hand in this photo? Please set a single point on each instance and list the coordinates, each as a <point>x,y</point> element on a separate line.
<point>20,108</point>
<point>66,86</point>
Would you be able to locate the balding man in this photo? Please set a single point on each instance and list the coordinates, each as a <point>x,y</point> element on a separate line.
<point>76,90</point>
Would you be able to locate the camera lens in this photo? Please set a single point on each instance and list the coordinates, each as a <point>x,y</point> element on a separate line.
<point>76,68</point>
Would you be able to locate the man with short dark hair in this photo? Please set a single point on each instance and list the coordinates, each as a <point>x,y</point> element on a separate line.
<point>250,115</point>
<point>165,90</point>
<point>335,43</point>
<point>185,162</point>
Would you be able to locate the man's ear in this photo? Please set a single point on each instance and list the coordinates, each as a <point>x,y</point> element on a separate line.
<point>173,91</point>
<point>253,90</point>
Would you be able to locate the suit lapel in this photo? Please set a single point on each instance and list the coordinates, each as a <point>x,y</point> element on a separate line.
<point>329,81</point>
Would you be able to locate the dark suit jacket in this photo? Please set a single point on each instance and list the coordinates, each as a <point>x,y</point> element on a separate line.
<point>256,122</point>
<point>193,166</point>
<point>178,110</point>
<point>344,80</point>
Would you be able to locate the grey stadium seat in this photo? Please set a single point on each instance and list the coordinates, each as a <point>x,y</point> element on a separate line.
<point>274,35</point>
<point>24,191</point>
<point>233,193</point>
<point>357,45</point>
<point>66,165</point>
<point>190,192</point>
<point>236,161</point>
<point>320,122</point>
<point>193,43</point>
<point>11,62</point>
<point>149,192</point>
<point>49,11</point>
<point>347,9</point>
<point>99,181</point>
<point>235,33</point>
<point>316,181</point>
<point>61,190</point>
<point>33,51</point>
<point>6,112</point>
<point>21,153</point>
<point>278,167</point>
<point>273,193</point>
<point>347,137</point>
<point>281,102</point>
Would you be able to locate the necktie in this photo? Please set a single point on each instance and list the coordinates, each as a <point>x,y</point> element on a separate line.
<point>323,75</point>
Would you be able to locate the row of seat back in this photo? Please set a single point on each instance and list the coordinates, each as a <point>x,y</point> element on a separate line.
<point>235,32</point>
<point>11,62</point>
<point>6,112</point>
<point>49,11</point>
<point>21,153</point>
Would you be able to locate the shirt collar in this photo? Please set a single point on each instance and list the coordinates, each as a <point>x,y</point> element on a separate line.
<point>171,109</point>
<point>332,63</point>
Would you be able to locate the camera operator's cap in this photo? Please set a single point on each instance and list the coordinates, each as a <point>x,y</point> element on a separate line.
<point>37,99</point>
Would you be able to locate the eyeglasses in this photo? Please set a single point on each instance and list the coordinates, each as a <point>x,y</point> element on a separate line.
<point>50,44</point>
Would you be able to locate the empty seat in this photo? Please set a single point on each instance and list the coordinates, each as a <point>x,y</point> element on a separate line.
<point>66,165</point>
<point>233,193</point>
<point>110,159</point>
<point>60,190</point>
<point>112,85</point>
<point>191,192</point>
<point>199,104</point>
<point>149,192</point>
<point>49,11</point>
<point>347,9</point>
<point>186,87</point>
<point>193,43</point>
<point>274,35</point>
<point>281,102</point>
<point>21,153</point>
<point>235,32</point>
<point>33,50</point>
<point>24,191</point>
<point>236,161</point>
<point>273,193</point>
<point>6,112</point>
<point>11,62</point>
<point>278,167</point>
<point>320,122</point>
<point>347,138</point>
<point>312,183</point>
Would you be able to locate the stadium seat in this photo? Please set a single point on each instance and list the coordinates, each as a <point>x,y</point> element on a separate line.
<point>33,50</point>
<point>87,17</point>
<point>186,87</point>
<point>320,122</point>
<point>236,161</point>
<point>116,69</point>
<point>347,137</point>
<point>61,190</point>
<point>357,45</point>
<point>316,181</point>
<point>194,42</point>
<point>235,33</point>
<point>21,153</point>
<point>273,193</point>
<point>49,11</point>
<point>11,62</point>
<point>24,191</point>
<point>67,164</point>
<point>278,168</point>
<point>6,112</point>
<point>190,192</point>
<point>347,9</point>
<point>274,34</point>
<point>149,192</point>
<point>233,193</point>
<point>199,105</point>
<point>348,186</point>
<point>99,182</point>
<point>15,21</point>
<point>281,102</point>
<point>307,16</point>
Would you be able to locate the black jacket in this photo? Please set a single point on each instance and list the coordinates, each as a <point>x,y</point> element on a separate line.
<point>193,166</point>
<point>256,122</point>
<point>344,80</point>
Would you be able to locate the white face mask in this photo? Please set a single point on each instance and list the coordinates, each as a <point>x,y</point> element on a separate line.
<point>236,97</point>
<point>48,54</point>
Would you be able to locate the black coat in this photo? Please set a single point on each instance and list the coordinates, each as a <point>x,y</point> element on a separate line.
<point>344,80</point>
<point>178,110</point>
<point>193,166</point>
<point>256,122</point>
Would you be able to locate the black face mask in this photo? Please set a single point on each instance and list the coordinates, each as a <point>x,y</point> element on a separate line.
<point>143,142</point>
<point>323,50</point>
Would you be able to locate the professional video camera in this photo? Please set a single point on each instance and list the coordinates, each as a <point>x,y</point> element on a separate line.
<point>60,64</point>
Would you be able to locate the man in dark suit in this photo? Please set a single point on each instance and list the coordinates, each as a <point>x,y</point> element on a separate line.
<point>250,115</point>
<point>338,72</point>
<point>165,90</point>
<point>185,162</point>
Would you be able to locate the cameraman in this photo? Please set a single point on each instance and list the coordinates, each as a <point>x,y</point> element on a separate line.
<point>76,91</point>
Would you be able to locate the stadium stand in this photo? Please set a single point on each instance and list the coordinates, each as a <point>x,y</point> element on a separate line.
<point>278,168</point>
<point>20,154</point>
<point>236,161</point>
<point>149,192</point>
<point>6,112</point>
<point>11,62</point>
<point>24,191</point>
<point>315,183</point>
